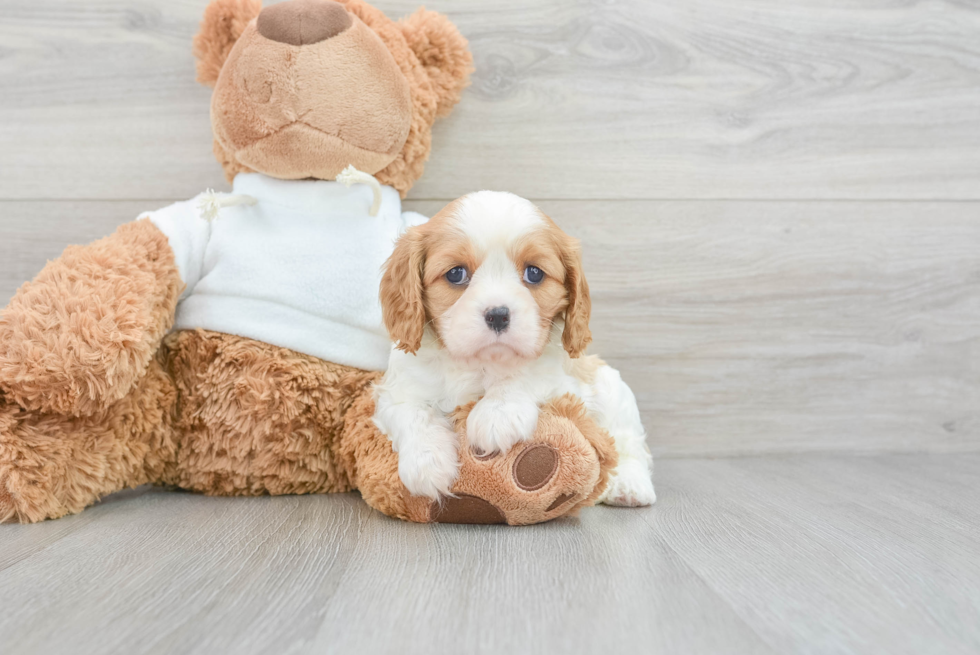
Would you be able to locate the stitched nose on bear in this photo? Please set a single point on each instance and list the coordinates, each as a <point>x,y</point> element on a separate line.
<point>303,22</point>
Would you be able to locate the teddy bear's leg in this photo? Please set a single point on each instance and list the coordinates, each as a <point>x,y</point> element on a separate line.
<point>79,337</point>
<point>257,419</point>
<point>372,466</point>
<point>52,465</point>
<point>564,467</point>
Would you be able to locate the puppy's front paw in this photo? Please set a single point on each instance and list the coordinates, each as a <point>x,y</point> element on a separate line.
<point>631,485</point>
<point>431,467</point>
<point>496,425</point>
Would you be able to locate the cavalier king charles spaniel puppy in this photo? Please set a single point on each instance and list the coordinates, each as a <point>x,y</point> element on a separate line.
<point>487,302</point>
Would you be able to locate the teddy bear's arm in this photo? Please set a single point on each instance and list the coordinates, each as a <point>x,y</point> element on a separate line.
<point>79,336</point>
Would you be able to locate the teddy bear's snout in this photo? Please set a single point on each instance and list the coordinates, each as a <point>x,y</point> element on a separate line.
<point>303,22</point>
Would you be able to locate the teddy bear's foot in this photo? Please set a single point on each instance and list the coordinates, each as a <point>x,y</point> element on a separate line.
<point>52,465</point>
<point>561,469</point>
<point>526,469</point>
<point>514,488</point>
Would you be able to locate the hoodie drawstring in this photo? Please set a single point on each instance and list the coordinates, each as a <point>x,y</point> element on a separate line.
<point>350,176</point>
<point>211,203</point>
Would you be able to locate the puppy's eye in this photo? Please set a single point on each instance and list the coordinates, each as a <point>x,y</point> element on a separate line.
<point>457,275</point>
<point>533,275</point>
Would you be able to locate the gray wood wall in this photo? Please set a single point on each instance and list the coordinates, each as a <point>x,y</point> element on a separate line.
<point>779,201</point>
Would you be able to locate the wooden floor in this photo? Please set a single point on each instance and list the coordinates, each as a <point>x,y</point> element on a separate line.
<point>779,204</point>
<point>793,554</point>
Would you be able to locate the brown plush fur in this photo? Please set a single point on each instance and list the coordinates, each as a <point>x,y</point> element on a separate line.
<point>369,94</point>
<point>222,24</point>
<point>214,413</point>
<point>602,443</point>
<point>443,53</point>
<point>54,464</point>
<point>225,415</point>
<point>370,462</point>
<point>258,419</point>
<point>76,339</point>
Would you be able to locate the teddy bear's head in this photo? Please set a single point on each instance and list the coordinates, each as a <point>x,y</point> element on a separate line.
<point>304,88</point>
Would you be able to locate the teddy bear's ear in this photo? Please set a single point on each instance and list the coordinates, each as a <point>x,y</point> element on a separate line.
<point>223,22</point>
<point>443,51</point>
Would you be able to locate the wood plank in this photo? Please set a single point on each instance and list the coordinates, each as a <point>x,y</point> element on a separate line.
<point>23,541</point>
<point>167,572</point>
<point>571,99</point>
<point>799,554</point>
<point>743,327</point>
<point>834,554</point>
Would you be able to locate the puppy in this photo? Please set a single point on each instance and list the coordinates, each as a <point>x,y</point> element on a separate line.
<point>487,301</point>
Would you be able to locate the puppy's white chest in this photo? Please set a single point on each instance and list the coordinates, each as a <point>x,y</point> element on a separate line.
<point>460,390</point>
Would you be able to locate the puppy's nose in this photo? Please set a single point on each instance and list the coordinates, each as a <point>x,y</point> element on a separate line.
<point>302,22</point>
<point>497,318</point>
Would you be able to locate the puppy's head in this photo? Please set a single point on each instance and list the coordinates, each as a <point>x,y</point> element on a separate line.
<point>491,274</point>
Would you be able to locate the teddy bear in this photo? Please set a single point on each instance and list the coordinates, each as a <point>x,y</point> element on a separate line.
<point>228,345</point>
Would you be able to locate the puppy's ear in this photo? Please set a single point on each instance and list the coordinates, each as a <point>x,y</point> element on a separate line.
<point>401,291</point>
<point>442,51</point>
<point>576,336</point>
<point>223,22</point>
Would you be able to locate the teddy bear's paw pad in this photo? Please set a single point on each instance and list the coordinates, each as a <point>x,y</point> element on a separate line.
<point>481,456</point>
<point>465,509</point>
<point>534,467</point>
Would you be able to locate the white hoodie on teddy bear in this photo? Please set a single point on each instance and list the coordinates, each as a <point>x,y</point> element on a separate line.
<point>300,268</point>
